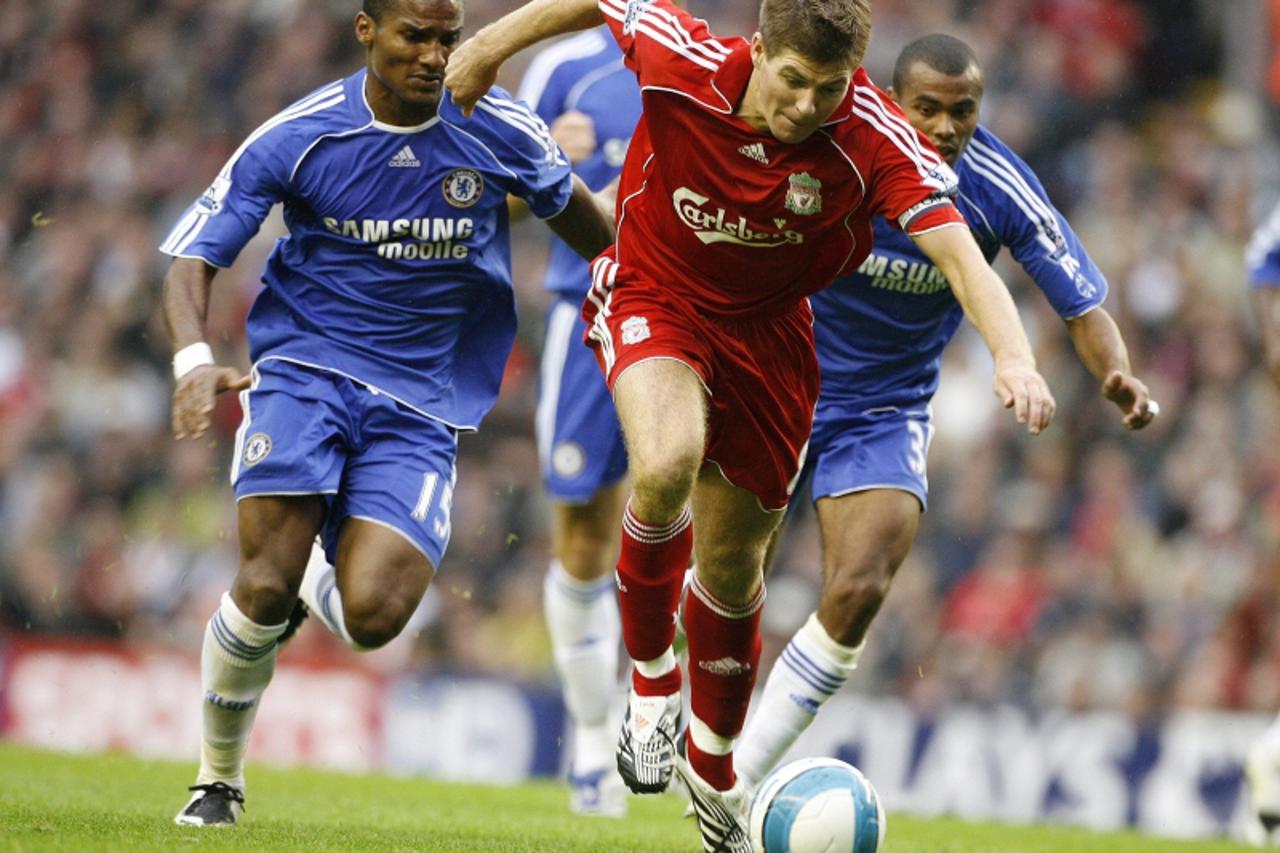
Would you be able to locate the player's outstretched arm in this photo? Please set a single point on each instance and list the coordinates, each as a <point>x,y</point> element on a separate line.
<point>186,303</point>
<point>1101,349</point>
<point>989,307</point>
<point>473,67</point>
<point>586,223</point>
<point>1266,305</point>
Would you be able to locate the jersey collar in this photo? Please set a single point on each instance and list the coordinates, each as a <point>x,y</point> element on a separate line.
<point>394,128</point>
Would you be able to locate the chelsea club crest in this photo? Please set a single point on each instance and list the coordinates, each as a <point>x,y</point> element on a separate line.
<point>462,187</point>
<point>256,448</point>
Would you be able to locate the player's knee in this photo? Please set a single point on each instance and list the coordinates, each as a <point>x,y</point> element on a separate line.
<point>587,560</point>
<point>665,481</point>
<point>856,593</point>
<point>265,593</point>
<point>372,625</point>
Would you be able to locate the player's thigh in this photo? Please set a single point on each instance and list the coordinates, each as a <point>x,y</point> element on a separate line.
<point>291,448</point>
<point>380,572</point>
<point>731,533</point>
<point>580,447</point>
<point>867,532</point>
<point>585,536</point>
<point>869,486</point>
<point>276,535</point>
<point>662,406</point>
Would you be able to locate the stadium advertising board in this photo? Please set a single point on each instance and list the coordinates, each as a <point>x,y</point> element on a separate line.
<point>1180,778</point>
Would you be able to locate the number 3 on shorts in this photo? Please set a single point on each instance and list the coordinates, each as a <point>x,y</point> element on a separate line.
<point>918,451</point>
<point>441,525</point>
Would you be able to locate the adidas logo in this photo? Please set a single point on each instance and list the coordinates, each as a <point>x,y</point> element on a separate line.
<point>808,704</point>
<point>724,666</point>
<point>405,159</point>
<point>756,152</point>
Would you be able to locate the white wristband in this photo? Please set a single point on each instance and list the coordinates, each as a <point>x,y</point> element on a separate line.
<point>190,357</point>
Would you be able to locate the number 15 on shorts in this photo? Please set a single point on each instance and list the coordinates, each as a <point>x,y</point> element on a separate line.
<point>440,523</point>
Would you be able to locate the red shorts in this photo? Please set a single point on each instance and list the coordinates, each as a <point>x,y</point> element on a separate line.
<point>761,374</point>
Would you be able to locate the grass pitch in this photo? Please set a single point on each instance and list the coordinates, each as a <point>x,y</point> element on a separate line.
<point>51,801</point>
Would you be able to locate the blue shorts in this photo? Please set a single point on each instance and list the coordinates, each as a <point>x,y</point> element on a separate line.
<point>308,431</point>
<point>580,445</point>
<point>881,448</point>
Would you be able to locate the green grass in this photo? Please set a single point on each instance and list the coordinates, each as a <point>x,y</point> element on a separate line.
<point>51,801</point>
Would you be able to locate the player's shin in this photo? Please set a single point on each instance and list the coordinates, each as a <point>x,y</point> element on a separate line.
<point>650,572</point>
<point>236,664</point>
<point>809,671</point>
<point>724,655</point>
<point>582,619</point>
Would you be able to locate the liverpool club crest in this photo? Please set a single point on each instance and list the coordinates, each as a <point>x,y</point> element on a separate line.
<point>804,195</point>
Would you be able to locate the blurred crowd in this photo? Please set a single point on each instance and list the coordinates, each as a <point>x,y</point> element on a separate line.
<point>1085,568</point>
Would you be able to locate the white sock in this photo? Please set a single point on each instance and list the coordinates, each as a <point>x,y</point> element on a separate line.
<point>236,664</point>
<point>319,591</point>
<point>1270,740</point>
<point>582,618</point>
<point>808,672</point>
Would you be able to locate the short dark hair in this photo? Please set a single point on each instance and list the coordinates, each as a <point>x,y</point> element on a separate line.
<point>375,8</point>
<point>825,31</point>
<point>941,52</point>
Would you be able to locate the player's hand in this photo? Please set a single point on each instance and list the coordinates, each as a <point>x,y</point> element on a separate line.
<point>1132,398</point>
<point>471,73</point>
<point>194,397</point>
<point>1024,390</point>
<point>575,132</point>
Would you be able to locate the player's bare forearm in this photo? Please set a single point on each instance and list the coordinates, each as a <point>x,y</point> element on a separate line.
<point>1102,351</point>
<point>1098,343</point>
<point>473,67</point>
<point>1266,305</point>
<point>186,300</point>
<point>199,381</point>
<point>988,305</point>
<point>980,292</point>
<point>586,223</point>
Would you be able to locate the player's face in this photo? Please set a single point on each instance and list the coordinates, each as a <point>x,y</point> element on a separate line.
<point>792,95</point>
<point>408,50</point>
<point>944,107</point>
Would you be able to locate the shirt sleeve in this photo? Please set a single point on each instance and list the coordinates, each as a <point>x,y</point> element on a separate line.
<point>543,86</point>
<point>910,184</point>
<point>1262,255</point>
<point>1038,236</point>
<point>661,42</point>
<point>229,213</point>
<point>541,173</point>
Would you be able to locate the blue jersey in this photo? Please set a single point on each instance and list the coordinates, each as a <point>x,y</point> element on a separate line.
<point>584,73</point>
<point>397,268</point>
<point>881,331</point>
<point>1262,256</point>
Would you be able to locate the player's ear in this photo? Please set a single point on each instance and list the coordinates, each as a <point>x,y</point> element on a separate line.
<point>757,51</point>
<point>893,95</point>
<point>364,29</point>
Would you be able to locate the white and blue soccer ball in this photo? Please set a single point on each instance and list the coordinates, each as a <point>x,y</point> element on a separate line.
<point>816,805</point>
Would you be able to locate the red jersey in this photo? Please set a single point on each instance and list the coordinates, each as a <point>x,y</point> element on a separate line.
<point>731,220</point>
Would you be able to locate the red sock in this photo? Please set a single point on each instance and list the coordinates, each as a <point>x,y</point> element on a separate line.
<point>715,770</point>
<point>650,574</point>
<point>724,656</point>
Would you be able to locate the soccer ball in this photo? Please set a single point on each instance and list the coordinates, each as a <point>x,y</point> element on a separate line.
<point>816,805</point>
